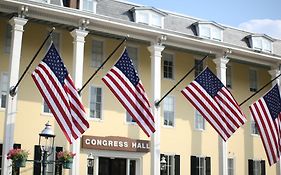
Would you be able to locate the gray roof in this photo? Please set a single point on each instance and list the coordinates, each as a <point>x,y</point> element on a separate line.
<point>178,23</point>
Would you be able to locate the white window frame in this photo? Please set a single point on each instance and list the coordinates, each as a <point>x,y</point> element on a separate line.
<point>231,168</point>
<point>172,59</point>
<point>259,43</point>
<point>101,112</point>
<point>196,125</point>
<point>93,64</point>
<point>127,115</point>
<point>173,120</point>
<point>8,39</point>
<point>212,29</point>
<point>43,112</point>
<point>93,10</point>
<point>257,169</point>
<point>204,164</point>
<point>7,90</point>
<point>251,83</point>
<point>254,128</point>
<point>150,14</point>
<point>229,76</point>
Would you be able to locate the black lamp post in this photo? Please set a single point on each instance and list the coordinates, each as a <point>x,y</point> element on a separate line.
<point>46,142</point>
<point>163,164</point>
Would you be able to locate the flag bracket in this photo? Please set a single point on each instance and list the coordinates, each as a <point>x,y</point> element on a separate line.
<point>13,91</point>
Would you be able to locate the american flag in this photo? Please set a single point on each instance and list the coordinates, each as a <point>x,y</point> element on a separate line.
<point>266,113</point>
<point>215,103</point>
<point>124,82</point>
<point>58,90</point>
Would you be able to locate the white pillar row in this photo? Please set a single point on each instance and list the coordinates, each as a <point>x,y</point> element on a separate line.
<point>274,73</point>
<point>78,59</point>
<point>221,74</point>
<point>11,103</point>
<point>155,55</point>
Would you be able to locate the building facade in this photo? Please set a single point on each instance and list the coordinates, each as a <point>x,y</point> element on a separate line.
<point>164,46</point>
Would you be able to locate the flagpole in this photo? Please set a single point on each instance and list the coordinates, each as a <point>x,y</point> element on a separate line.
<point>13,89</point>
<point>109,56</point>
<point>158,102</point>
<point>259,90</point>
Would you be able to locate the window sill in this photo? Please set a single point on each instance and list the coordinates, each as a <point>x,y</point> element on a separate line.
<point>131,123</point>
<point>168,126</point>
<point>46,114</point>
<point>95,119</point>
<point>199,130</point>
<point>255,135</point>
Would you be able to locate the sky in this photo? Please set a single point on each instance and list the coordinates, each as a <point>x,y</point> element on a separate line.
<point>258,16</point>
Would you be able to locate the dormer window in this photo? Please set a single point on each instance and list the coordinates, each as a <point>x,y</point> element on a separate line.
<point>149,16</point>
<point>261,43</point>
<point>88,5</point>
<point>209,30</point>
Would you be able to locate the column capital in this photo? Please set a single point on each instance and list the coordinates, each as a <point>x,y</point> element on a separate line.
<point>155,48</point>
<point>274,73</point>
<point>79,35</point>
<point>221,61</point>
<point>17,23</point>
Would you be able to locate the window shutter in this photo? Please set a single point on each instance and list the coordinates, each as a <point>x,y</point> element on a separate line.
<point>177,165</point>
<point>194,161</point>
<point>58,167</point>
<point>16,171</point>
<point>263,167</point>
<point>208,165</point>
<point>250,167</point>
<point>37,158</point>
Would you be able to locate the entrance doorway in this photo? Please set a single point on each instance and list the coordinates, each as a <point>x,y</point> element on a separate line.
<point>116,166</point>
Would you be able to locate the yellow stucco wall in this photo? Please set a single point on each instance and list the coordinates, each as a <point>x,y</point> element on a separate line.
<point>182,139</point>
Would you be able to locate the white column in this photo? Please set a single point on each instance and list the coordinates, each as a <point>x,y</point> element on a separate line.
<point>11,104</point>
<point>96,165</point>
<point>78,58</point>
<point>221,74</point>
<point>274,73</point>
<point>155,55</point>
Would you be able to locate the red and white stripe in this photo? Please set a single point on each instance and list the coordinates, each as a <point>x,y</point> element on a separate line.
<point>63,101</point>
<point>133,99</point>
<point>269,130</point>
<point>222,112</point>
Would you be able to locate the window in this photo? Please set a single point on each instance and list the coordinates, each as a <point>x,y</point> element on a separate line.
<point>168,64</point>
<point>169,111</point>
<point>200,165</point>
<point>253,80</point>
<point>95,102</point>
<point>8,39</point>
<point>46,108</point>
<point>254,127</point>
<point>129,118</point>
<point>198,68</point>
<point>4,89</point>
<point>209,30</point>
<point>51,168</point>
<point>256,167</point>
<point>1,149</point>
<point>228,76</point>
<point>133,54</point>
<point>172,166</point>
<point>149,16</point>
<point>261,43</point>
<point>230,164</point>
<point>97,53</point>
<point>199,121</point>
<point>89,5</point>
<point>55,37</point>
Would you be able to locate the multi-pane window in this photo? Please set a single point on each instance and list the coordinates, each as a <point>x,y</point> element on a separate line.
<point>199,121</point>
<point>4,89</point>
<point>200,165</point>
<point>89,5</point>
<point>168,65</point>
<point>261,44</point>
<point>169,111</point>
<point>95,102</point>
<point>210,31</point>
<point>229,76</point>
<point>256,167</point>
<point>46,108</point>
<point>254,127</point>
<point>8,39</point>
<point>149,17</point>
<point>253,80</point>
<point>171,166</point>
<point>133,54</point>
<point>230,166</point>
<point>97,53</point>
<point>198,67</point>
